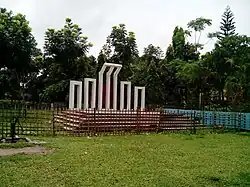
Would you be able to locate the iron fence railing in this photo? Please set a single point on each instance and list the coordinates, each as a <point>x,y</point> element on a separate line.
<point>49,120</point>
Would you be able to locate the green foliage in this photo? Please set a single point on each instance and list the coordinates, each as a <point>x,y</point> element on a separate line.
<point>159,76</point>
<point>189,72</point>
<point>190,53</point>
<point>147,72</point>
<point>207,159</point>
<point>65,59</point>
<point>120,48</point>
<point>198,25</point>
<point>178,41</point>
<point>230,61</point>
<point>170,53</point>
<point>180,49</point>
<point>227,27</point>
<point>227,24</point>
<point>17,49</point>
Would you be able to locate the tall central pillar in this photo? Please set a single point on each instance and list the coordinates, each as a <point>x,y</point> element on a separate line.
<point>100,85</point>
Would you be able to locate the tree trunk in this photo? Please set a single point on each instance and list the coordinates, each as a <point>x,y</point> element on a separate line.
<point>222,95</point>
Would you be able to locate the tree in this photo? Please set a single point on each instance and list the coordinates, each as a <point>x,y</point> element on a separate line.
<point>147,72</point>
<point>228,63</point>
<point>189,52</point>
<point>65,59</point>
<point>17,51</point>
<point>237,61</point>
<point>152,53</point>
<point>178,42</point>
<point>121,48</point>
<point>104,56</point>
<point>179,49</point>
<point>159,76</point>
<point>227,27</point>
<point>224,49</point>
<point>35,83</point>
<point>198,25</point>
<point>169,53</point>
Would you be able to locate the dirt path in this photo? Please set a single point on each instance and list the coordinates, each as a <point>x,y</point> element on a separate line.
<point>26,150</point>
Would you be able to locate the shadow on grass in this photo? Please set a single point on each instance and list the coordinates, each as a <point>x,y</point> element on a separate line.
<point>189,135</point>
<point>236,132</point>
<point>243,134</point>
<point>242,179</point>
<point>229,131</point>
<point>15,145</point>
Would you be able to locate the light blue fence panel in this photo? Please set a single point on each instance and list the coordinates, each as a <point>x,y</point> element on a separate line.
<point>210,118</point>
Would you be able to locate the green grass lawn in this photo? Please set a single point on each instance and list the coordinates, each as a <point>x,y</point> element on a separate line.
<point>142,160</point>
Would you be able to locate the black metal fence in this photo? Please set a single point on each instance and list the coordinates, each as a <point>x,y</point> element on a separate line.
<point>49,120</point>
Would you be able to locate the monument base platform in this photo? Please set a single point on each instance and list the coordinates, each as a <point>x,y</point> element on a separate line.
<point>125,120</point>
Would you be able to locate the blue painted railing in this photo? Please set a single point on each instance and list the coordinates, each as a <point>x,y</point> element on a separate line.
<point>210,118</point>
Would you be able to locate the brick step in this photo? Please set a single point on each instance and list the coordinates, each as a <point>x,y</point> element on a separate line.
<point>105,120</point>
<point>123,116</point>
<point>125,122</point>
<point>177,118</point>
<point>115,114</point>
<point>128,125</point>
<point>114,124</point>
<point>105,124</point>
<point>109,127</point>
<point>178,121</point>
<point>110,111</point>
<point>129,128</point>
<point>101,123</point>
<point>101,120</point>
<point>109,116</point>
<point>105,130</point>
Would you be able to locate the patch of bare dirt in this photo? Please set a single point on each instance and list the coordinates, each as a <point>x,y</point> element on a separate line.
<point>26,150</point>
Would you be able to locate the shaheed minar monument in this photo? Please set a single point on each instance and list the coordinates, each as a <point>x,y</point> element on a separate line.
<point>97,95</point>
<point>108,117</point>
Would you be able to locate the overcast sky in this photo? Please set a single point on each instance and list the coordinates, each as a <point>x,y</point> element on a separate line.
<point>153,21</point>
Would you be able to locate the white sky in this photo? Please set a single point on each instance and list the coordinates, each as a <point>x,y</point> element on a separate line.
<point>153,21</point>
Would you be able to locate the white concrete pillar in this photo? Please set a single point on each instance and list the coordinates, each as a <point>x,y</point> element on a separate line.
<point>100,85</point>
<point>115,78</point>
<point>108,77</point>
<point>72,85</point>
<point>122,88</point>
<point>86,93</point>
<point>137,88</point>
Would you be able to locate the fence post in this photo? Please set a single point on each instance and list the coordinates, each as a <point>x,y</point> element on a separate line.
<point>53,121</point>
<point>2,131</point>
<point>160,119</point>
<point>137,120</point>
<point>194,123</point>
<point>95,121</point>
<point>239,122</point>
